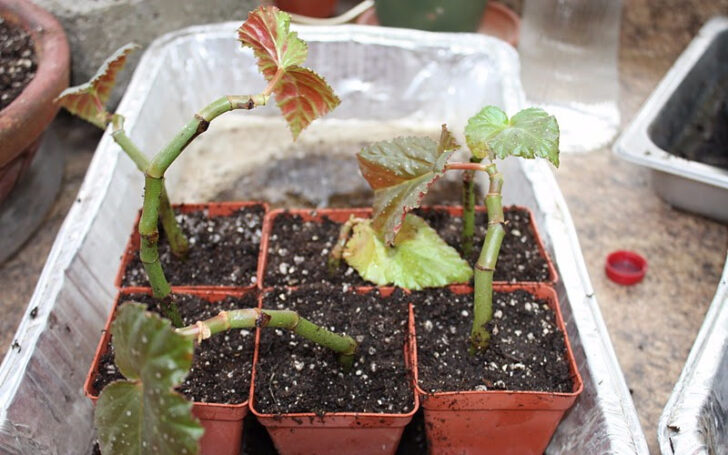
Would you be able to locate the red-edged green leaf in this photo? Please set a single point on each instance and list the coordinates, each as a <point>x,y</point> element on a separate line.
<point>144,414</point>
<point>303,96</point>
<point>267,32</point>
<point>88,100</point>
<point>531,133</point>
<point>401,172</point>
<point>419,259</point>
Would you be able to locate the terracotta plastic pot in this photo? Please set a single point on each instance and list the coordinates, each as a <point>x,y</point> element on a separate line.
<point>498,422</point>
<point>458,212</point>
<point>214,209</point>
<point>337,432</point>
<point>223,423</point>
<point>311,8</point>
<point>23,121</point>
<point>316,215</point>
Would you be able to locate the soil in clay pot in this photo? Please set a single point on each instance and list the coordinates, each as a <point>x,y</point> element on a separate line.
<point>221,366</point>
<point>520,258</point>
<point>18,61</point>
<point>526,352</point>
<point>299,250</point>
<point>223,251</point>
<point>294,375</point>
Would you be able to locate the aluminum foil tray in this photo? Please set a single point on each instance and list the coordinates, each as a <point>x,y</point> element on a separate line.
<point>381,74</point>
<point>683,183</point>
<point>695,419</point>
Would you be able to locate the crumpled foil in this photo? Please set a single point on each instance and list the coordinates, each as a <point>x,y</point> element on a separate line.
<point>380,73</point>
<point>695,419</point>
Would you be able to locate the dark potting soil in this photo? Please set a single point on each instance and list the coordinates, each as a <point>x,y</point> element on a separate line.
<point>222,364</point>
<point>294,375</point>
<point>223,251</point>
<point>520,258</point>
<point>298,252</point>
<point>18,61</point>
<point>526,351</point>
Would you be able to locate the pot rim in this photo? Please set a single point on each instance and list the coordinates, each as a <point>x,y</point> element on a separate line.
<point>25,118</point>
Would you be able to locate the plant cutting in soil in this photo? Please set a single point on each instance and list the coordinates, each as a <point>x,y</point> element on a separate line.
<point>225,250</point>
<point>520,257</point>
<point>220,371</point>
<point>295,376</point>
<point>144,411</point>
<point>18,61</point>
<point>398,247</point>
<point>301,95</point>
<point>526,350</point>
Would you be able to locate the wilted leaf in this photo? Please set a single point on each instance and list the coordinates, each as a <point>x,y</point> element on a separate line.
<point>401,172</point>
<point>302,95</point>
<point>144,414</point>
<point>88,100</point>
<point>531,133</point>
<point>266,31</point>
<point>419,259</point>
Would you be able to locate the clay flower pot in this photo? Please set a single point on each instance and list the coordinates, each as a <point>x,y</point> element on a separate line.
<point>311,8</point>
<point>498,421</point>
<point>24,120</point>
<point>214,209</point>
<point>223,423</point>
<point>353,433</point>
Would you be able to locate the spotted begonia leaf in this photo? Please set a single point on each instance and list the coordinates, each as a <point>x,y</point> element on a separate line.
<point>419,258</point>
<point>88,100</point>
<point>531,133</point>
<point>143,414</point>
<point>401,172</point>
<point>301,94</point>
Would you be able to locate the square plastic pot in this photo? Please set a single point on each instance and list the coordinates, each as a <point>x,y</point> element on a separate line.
<point>353,433</point>
<point>223,423</point>
<point>497,422</point>
<point>214,209</point>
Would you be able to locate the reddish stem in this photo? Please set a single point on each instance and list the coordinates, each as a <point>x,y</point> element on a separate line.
<point>467,167</point>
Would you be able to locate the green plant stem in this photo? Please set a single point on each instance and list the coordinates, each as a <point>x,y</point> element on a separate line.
<point>468,209</point>
<point>177,240</point>
<point>154,188</point>
<point>250,318</point>
<point>199,125</point>
<point>484,268</point>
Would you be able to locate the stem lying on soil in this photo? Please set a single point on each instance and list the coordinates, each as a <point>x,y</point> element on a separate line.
<point>250,318</point>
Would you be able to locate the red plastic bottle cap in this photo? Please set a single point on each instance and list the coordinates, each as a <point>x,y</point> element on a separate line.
<point>626,267</point>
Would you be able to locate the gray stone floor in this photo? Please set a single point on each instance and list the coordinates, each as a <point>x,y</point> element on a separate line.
<point>653,324</point>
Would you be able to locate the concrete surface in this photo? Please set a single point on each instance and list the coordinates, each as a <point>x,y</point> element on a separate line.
<point>652,324</point>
